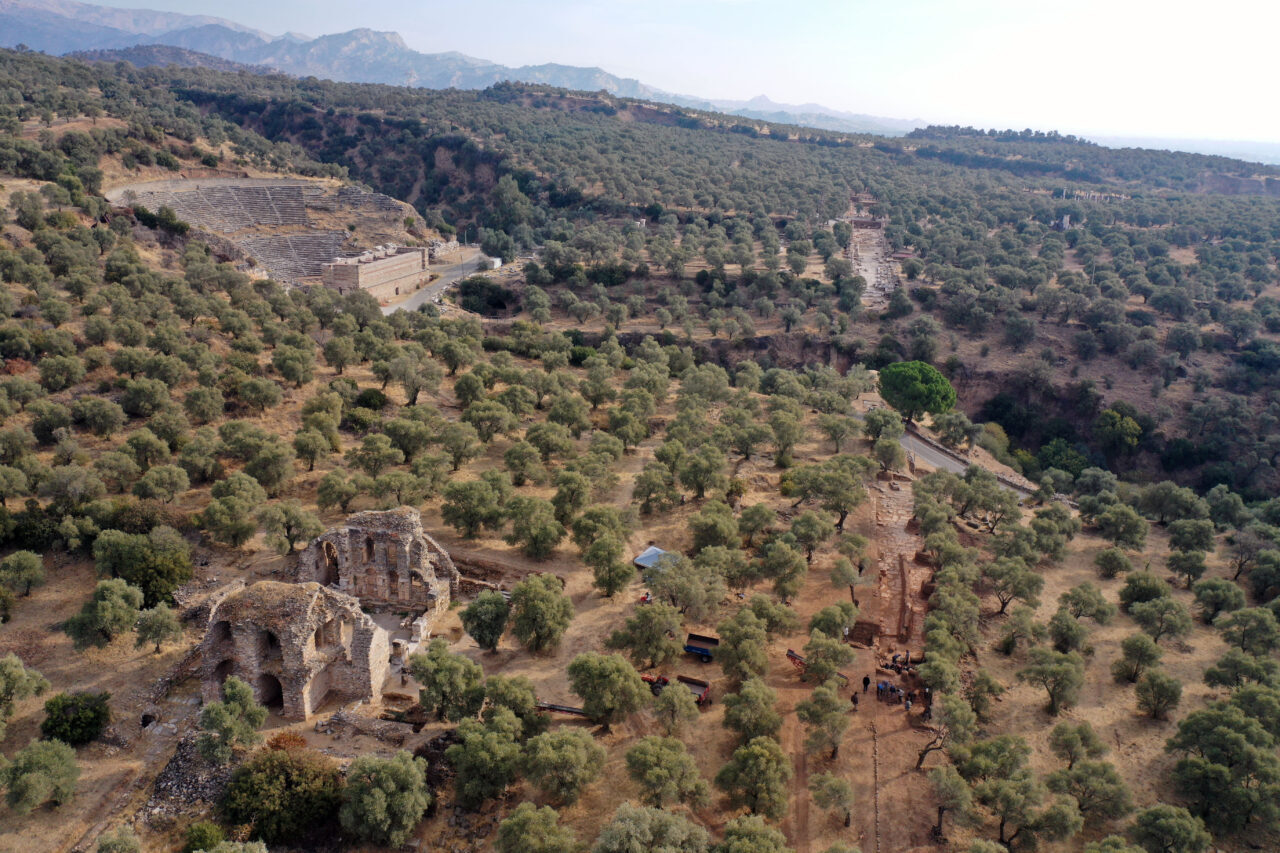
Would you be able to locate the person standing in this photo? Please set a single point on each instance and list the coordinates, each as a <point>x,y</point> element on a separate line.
<point>854,700</point>
<point>866,682</point>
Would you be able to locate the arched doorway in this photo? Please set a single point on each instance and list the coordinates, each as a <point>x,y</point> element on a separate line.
<point>329,569</point>
<point>269,648</point>
<point>220,633</point>
<point>223,671</point>
<point>270,693</point>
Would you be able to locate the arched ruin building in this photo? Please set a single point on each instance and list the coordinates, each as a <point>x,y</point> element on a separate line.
<point>385,559</point>
<point>366,593</point>
<point>296,645</point>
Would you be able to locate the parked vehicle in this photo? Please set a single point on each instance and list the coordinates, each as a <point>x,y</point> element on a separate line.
<point>798,661</point>
<point>701,689</point>
<point>702,646</point>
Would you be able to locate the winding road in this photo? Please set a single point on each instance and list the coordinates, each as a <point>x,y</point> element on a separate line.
<point>926,452</point>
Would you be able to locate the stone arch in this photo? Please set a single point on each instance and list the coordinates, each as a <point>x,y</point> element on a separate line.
<point>223,671</point>
<point>269,647</point>
<point>220,633</point>
<point>319,689</point>
<point>368,549</point>
<point>270,692</point>
<point>328,564</point>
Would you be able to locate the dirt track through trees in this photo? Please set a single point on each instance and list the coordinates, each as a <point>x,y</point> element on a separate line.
<point>875,780</point>
<point>901,608</point>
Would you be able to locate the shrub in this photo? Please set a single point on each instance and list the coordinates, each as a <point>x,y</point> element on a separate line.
<point>43,772</point>
<point>121,840</point>
<point>1140,587</point>
<point>385,798</point>
<point>284,795</point>
<point>371,398</point>
<point>203,835</point>
<point>230,724</point>
<point>76,718</point>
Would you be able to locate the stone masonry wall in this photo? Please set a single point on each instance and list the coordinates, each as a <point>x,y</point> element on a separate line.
<point>383,558</point>
<point>296,645</point>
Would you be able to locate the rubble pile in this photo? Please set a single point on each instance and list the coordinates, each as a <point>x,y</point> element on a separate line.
<point>188,785</point>
<point>345,724</point>
<point>439,771</point>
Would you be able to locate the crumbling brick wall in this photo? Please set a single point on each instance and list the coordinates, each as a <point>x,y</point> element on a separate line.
<point>383,558</point>
<point>297,645</point>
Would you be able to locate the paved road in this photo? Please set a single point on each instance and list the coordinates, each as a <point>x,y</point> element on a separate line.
<point>926,452</point>
<point>449,274</point>
<point>929,454</point>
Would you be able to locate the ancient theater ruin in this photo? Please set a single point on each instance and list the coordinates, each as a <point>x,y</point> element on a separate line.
<point>366,596</point>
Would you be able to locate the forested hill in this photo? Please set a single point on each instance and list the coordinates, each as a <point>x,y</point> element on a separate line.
<point>1161,288</point>
<point>146,55</point>
<point>1047,153</point>
<point>540,126</point>
<point>686,359</point>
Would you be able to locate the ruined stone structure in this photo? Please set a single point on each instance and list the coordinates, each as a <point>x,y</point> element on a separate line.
<point>385,272</point>
<point>335,633</point>
<point>438,248</point>
<point>297,645</point>
<point>385,559</point>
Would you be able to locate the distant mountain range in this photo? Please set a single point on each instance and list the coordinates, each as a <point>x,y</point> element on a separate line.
<point>806,115</point>
<point>359,56</point>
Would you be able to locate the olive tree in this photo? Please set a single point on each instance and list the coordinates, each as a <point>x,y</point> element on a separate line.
<point>384,798</point>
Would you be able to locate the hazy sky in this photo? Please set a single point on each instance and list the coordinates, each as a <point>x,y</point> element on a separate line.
<point>1129,67</point>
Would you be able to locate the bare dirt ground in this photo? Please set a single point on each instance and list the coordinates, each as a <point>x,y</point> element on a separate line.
<point>117,768</point>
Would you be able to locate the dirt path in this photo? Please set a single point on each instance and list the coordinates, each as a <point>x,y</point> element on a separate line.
<point>901,607</point>
<point>128,794</point>
<point>800,792</point>
<point>629,468</point>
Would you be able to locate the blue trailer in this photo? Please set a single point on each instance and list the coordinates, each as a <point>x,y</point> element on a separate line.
<point>702,646</point>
